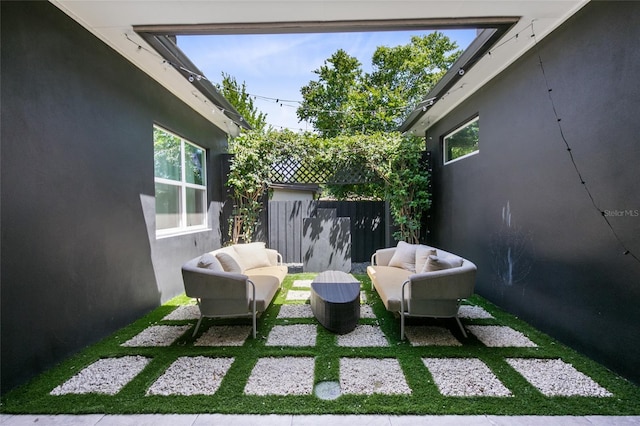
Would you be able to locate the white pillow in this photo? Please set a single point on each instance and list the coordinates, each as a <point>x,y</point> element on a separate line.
<point>435,263</point>
<point>404,257</point>
<point>252,255</point>
<point>229,264</point>
<point>422,254</point>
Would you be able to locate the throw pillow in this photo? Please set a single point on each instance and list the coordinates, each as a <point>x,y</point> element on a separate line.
<point>404,257</point>
<point>435,263</point>
<point>229,264</point>
<point>253,255</point>
<point>422,254</point>
<point>209,261</point>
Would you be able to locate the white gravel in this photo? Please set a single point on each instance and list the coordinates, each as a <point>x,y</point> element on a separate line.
<point>295,311</point>
<point>369,376</point>
<point>363,336</point>
<point>430,336</point>
<point>225,335</point>
<point>464,377</point>
<point>473,312</point>
<point>192,376</point>
<point>281,376</point>
<point>157,335</point>
<point>293,335</point>
<point>554,377</point>
<point>188,312</point>
<point>498,336</point>
<point>105,376</point>
<point>302,283</point>
<point>298,295</point>
<point>366,311</point>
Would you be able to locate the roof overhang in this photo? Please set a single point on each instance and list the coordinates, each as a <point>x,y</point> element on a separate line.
<point>135,29</point>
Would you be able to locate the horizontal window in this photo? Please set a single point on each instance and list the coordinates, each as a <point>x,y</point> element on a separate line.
<point>462,142</point>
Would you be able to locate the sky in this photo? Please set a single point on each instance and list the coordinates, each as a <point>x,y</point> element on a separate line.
<point>275,67</point>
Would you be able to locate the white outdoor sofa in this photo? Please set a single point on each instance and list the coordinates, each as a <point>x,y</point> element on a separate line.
<point>234,281</point>
<point>419,280</point>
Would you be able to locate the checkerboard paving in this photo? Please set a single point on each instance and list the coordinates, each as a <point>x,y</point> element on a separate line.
<point>298,295</point>
<point>295,311</point>
<point>302,283</point>
<point>370,376</point>
<point>182,313</point>
<point>157,335</point>
<point>363,336</point>
<point>199,375</point>
<point>473,312</point>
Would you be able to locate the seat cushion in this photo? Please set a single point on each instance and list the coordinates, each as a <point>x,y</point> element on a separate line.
<point>387,281</point>
<point>279,272</point>
<point>266,288</point>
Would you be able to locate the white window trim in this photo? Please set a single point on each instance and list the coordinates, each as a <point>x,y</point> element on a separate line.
<point>183,184</point>
<point>448,135</point>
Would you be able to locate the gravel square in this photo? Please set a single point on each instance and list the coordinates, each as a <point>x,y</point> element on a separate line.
<point>226,335</point>
<point>295,311</point>
<point>498,336</point>
<point>426,335</point>
<point>281,376</point>
<point>464,377</point>
<point>293,335</point>
<point>105,376</point>
<point>554,377</point>
<point>157,335</point>
<point>199,375</point>
<point>372,376</point>
<point>366,311</point>
<point>188,312</point>
<point>302,283</point>
<point>363,336</point>
<point>473,312</point>
<point>298,295</point>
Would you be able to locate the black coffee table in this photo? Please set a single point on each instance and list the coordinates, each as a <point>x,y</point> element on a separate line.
<point>335,301</point>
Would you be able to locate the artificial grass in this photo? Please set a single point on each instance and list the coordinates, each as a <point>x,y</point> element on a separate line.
<point>34,397</point>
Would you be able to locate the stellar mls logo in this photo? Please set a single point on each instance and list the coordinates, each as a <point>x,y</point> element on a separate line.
<point>621,213</point>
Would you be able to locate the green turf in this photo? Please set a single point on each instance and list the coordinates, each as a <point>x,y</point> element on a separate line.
<point>425,398</point>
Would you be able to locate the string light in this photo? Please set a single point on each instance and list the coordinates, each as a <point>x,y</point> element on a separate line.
<point>626,251</point>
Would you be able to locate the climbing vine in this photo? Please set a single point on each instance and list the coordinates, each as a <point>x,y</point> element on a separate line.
<point>390,162</point>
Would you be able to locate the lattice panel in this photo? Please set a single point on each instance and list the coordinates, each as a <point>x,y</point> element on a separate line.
<point>291,170</point>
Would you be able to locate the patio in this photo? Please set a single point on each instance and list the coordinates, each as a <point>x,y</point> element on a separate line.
<point>296,367</point>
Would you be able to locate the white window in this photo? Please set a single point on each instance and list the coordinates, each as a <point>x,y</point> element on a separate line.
<point>180,180</point>
<point>462,142</point>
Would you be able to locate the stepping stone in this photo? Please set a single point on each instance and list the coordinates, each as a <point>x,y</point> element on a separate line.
<point>293,335</point>
<point>498,336</point>
<point>430,336</point>
<point>363,336</point>
<point>473,312</point>
<point>298,295</point>
<point>295,311</point>
<point>199,375</point>
<point>157,335</point>
<point>105,376</point>
<point>226,335</point>
<point>554,377</point>
<point>366,311</point>
<point>302,283</point>
<point>189,312</point>
<point>281,376</point>
<point>368,376</point>
<point>464,377</point>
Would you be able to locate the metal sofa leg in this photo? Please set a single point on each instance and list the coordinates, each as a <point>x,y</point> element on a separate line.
<point>197,326</point>
<point>464,333</point>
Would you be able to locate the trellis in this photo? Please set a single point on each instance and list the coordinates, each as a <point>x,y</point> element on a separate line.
<point>290,170</point>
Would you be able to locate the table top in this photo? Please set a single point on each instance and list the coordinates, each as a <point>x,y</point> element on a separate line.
<point>336,287</point>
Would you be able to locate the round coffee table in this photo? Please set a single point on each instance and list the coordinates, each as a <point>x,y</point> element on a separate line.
<point>335,301</point>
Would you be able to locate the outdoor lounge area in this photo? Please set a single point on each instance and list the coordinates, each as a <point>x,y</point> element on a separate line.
<point>542,215</point>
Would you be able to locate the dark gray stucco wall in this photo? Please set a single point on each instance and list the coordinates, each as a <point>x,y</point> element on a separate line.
<point>78,258</point>
<point>518,208</point>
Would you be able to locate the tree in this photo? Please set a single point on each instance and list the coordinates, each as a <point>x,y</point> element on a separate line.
<point>345,99</point>
<point>237,96</point>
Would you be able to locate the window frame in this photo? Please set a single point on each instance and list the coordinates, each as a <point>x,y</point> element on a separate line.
<point>457,129</point>
<point>183,186</point>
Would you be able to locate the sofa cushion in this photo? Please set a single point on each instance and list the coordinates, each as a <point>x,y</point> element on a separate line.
<point>404,257</point>
<point>438,263</point>
<point>228,262</point>
<point>209,261</point>
<point>422,254</point>
<point>252,255</point>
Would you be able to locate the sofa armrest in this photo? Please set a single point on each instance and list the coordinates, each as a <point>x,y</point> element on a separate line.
<point>275,258</point>
<point>453,283</point>
<point>203,283</point>
<point>383,256</point>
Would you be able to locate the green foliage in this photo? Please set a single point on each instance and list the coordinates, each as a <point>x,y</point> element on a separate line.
<point>237,96</point>
<point>390,161</point>
<point>345,99</point>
